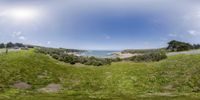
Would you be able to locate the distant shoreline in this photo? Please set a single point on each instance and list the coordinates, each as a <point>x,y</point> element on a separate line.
<point>124,55</point>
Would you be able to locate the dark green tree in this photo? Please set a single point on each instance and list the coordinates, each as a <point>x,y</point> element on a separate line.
<point>10,45</point>
<point>178,46</point>
<point>196,46</point>
<point>19,45</point>
<point>2,45</point>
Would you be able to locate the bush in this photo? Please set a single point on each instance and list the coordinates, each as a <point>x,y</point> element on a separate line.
<point>143,51</point>
<point>154,56</point>
<point>97,61</point>
<point>115,59</point>
<point>70,59</point>
<point>61,55</point>
<point>82,60</point>
<point>55,56</point>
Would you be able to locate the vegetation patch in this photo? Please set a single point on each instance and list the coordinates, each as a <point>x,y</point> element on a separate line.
<point>50,88</point>
<point>149,57</point>
<point>63,55</point>
<point>175,75</point>
<point>173,46</point>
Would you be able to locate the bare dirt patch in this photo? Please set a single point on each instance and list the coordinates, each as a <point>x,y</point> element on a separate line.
<point>169,87</point>
<point>51,88</point>
<point>21,85</point>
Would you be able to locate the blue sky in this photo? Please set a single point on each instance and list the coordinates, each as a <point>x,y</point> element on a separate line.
<point>100,24</point>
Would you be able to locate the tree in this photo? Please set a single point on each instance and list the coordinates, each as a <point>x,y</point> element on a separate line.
<point>2,45</point>
<point>10,45</point>
<point>178,46</point>
<point>196,46</point>
<point>19,45</point>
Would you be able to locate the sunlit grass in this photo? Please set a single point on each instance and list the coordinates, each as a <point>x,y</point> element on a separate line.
<point>174,78</point>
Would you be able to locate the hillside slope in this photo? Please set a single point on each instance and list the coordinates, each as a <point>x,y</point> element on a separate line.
<point>28,75</point>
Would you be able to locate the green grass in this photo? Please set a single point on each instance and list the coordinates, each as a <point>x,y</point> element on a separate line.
<point>176,78</point>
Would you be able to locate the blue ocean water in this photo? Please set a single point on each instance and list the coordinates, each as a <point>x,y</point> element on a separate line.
<point>98,53</point>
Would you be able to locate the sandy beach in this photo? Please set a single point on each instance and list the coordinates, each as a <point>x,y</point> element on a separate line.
<point>124,55</point>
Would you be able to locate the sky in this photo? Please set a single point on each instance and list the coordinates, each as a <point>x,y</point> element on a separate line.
<point>100,24</point>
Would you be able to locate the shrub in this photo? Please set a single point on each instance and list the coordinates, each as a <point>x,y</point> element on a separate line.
<point>82,60</point>
<point>61,55</point>
<point>55,56</point>
<point>115,59</point>
<point>143,51</point>
<point>70,59</point>
<point>154,56</point>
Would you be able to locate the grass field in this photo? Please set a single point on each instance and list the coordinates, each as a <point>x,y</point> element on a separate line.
<point>176,78</point>
<point>2,50</point>
<point>10,50</point>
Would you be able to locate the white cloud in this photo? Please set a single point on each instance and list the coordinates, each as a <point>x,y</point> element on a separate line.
<point>22,38</point>
<point>48,42</point>
<point>194,33</point>
<point>173,35</point>
<point>16,34</point>
<point>2,14</point>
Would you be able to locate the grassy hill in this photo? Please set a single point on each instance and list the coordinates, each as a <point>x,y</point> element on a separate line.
<point>28,75</point>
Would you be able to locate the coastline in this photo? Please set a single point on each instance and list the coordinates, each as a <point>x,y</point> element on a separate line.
<point>124,55</point>
<point>111,55</point>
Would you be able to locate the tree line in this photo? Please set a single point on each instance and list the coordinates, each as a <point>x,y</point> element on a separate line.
<point>175,46</point>
<point>13,45</point>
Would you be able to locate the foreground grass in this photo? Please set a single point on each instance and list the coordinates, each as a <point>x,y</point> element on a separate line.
<point>176,78</point>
